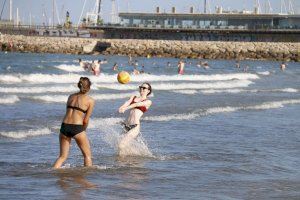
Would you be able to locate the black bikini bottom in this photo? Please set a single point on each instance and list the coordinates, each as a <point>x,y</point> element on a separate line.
<point>70,130</point>
<point>127,127</point>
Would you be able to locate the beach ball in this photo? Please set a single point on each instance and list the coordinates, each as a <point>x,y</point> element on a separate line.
<point>123,77</point>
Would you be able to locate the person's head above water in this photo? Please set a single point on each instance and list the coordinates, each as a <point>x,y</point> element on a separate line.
<point>84,85</point>
<point>79,60</point>
<point>145,87</point>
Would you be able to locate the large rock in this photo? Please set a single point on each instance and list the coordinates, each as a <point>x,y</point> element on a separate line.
<point>88,49</point>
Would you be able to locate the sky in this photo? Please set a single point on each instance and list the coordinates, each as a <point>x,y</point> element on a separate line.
<point>36,8</point>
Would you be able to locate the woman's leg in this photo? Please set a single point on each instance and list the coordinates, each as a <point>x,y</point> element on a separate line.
<point>129,136</point>
<point>84,145</point>
<point>64,143</point>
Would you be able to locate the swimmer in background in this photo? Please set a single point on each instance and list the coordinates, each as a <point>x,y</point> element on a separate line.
<point>181,66</point>
<point>205,65</point>
<point>135,71</point>
<point>246,68</point>
<point>129,59</point>
<point>137,106</point>
<point>282,66</point>
<point>237,64</point>
<point>115,67</point>
<point>104,61</point>
<point>96,68</point>
<point>84,65</point>
<point>168,64</point>
<point>136,63</point>
<point>142,70</point>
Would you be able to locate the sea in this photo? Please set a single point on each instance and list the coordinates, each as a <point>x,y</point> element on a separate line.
<point>218,133</point>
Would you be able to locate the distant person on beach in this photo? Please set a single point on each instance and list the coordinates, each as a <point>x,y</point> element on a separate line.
<point>79,109</point>
<point>181,66</point>
<point>137,105</point>
<point>282,66</point>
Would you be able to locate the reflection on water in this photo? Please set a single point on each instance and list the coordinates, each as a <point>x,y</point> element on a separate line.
<point>74,182</point>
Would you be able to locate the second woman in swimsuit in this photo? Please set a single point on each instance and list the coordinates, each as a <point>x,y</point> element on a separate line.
<point>79,109</point>
<point>137,106</point>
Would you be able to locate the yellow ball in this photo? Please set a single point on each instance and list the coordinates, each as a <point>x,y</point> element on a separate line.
<point>123,77</point>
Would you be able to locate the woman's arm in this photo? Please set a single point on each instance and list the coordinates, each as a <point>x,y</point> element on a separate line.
<point>126,104</point>
<point>88,114</point>
<point>146,103</point>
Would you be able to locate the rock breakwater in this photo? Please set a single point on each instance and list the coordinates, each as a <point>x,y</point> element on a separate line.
<point>159,48</point>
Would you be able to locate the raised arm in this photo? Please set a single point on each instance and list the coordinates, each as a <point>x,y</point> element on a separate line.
<point>88,114</point>
<point>146,103</point>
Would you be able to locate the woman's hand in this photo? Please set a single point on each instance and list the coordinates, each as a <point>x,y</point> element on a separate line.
<point>122,109</point>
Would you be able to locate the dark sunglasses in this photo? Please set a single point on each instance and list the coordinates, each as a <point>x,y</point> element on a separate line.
<point>144,88</point>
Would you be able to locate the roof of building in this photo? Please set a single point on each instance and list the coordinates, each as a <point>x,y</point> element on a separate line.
<point>201,15</point>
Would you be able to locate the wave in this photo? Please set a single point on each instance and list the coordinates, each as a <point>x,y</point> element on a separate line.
<point>186,91</point>
<point>182,86</point>
<point>10,79</point>
<point>23,134</point>
<point>64,98</point>
<point>212,91</point>
<point>11,99</point>
<point>266,73</point>
<point>51,98</point>
<point>70,68</point>
<point>105,78</point>
<point>215,110</point>
<point>33,90</point>
<point>213,77</point>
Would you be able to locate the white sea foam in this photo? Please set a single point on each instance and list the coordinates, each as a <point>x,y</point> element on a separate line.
<point>26,133</point>
<point>162,118</point>
<point>215,110</point>
<point>291,90</point>
<point>213,91</point>
<point>213,77</point>
<point>100,122</point>
<point>51,98</point>
<point>221,110</point>
<point>183,86</point>
<point>70,68</point>
<point>111,132</point>
<point>265,73</point>
<point>10,79</point>
<point>34,90</point>
<point>64,98</point>
<point>10,99</point>
<point>273,104</point>
<point>185,91</point>
<point>105,78</point>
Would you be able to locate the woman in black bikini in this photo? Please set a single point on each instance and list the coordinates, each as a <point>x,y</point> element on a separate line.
<point>79,109</point>
<point>137,106</point>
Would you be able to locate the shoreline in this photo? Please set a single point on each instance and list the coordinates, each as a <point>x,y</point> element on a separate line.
<point>153,48</point>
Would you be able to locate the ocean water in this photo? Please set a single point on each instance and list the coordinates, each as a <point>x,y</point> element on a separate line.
<point>219,133</point>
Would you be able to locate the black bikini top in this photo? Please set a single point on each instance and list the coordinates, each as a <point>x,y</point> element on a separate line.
<point>77,107</point>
